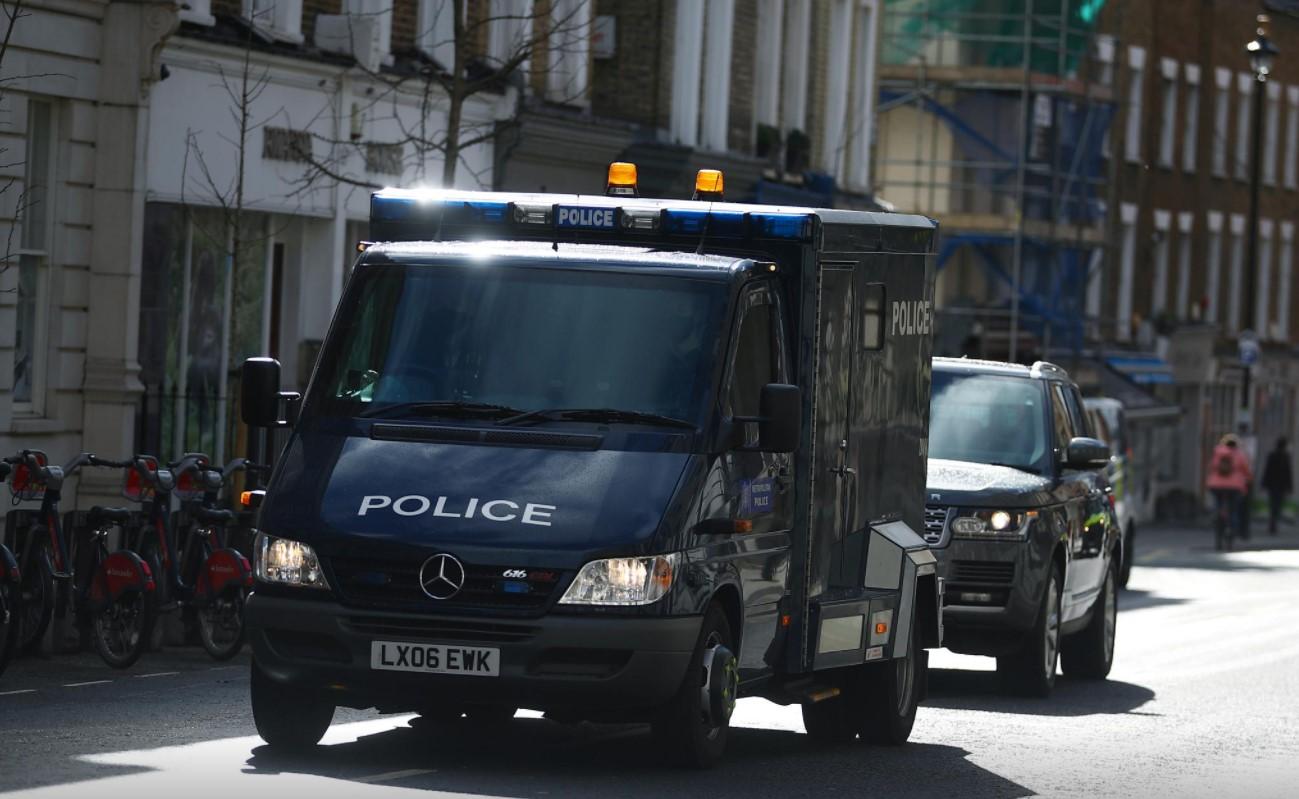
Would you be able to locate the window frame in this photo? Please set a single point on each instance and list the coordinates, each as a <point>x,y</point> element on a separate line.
<point>754,294</point>
<point>35,406</point>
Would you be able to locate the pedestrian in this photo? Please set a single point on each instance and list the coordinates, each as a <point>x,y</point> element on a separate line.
<point>1229,479</point>
<point>1278,481</point>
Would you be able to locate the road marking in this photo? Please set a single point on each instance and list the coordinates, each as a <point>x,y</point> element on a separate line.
<point>92,682</point>
<point>156,674</point>
<point>388,776</point>
<point>15,693</point>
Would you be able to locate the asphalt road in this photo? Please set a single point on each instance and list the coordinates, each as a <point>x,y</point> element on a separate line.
<point>1203,701</point>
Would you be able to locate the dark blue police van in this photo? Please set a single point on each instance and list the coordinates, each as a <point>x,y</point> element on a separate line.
<point>610,458</point>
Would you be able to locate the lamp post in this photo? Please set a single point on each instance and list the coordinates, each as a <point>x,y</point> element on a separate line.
<point>1261,53</point>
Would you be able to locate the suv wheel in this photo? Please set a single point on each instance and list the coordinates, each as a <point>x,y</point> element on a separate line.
<point>1089,653</point>
<point>1031,670</point>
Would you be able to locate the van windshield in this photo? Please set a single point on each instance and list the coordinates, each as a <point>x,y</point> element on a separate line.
<point>988,419</point>
<point>521,337</point>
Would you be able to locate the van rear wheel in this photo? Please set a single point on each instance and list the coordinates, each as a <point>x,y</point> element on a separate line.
<point>890,706</point>
<point>288,716</point>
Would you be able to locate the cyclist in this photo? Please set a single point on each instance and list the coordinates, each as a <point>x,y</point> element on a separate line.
<point>1229,479</point>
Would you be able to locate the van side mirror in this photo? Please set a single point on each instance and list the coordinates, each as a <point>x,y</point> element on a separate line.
<point>780,428</point>
<point>260,395</point>
<point>1086,453</point>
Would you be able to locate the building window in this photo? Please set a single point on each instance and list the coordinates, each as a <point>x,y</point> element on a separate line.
<point>34,213</point>
<point>1104,59</point>
<point>1213,279</point>
<point>1291,168</point>
<point>1285,284</point>
<point>1159,292</point>
<point>1237,267</point>
<point>1127,270</point>
<point>281,18</point>
<point>198,12</point>
<point>435,34</point>
<point>1191,133</point>
<point>1168,110</point>
<point>1272,121</point>
<point>511,32</point>
<point>1184,227</point>
<point>1136,79</point>
<point>569,51</point>
<point>1245,88</point>
<point>377,11</point>
<point>1263,289</point>
<point>1221,115</point>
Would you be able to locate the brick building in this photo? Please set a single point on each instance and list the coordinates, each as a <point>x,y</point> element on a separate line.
<point>1175,280</point>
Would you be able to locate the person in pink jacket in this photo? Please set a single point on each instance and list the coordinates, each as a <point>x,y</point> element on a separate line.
<point>1230,477</point>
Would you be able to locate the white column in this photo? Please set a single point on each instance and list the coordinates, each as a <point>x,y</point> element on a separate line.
<point>1284,264</point>
<point>1191,133</point>
<point>1271,131</point>
<point>1136,80</point>
<point>1127,270</point>
<point>767,74</point>
<point>1213,272</point>
<point>1245,88</point>
<point>836,89</point>
<point>863,93</point>
<point>1163,232</point>
<point>1263,288</point>
<point>1291,168</point>
<point>1237,266</point>
<point>1184,227</point>
<point>798,36</point>
<point>719,30</point>
<point>435,31</point>
<point>687,53</point>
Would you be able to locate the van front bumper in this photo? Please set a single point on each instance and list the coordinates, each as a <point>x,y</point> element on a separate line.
<point>597,665</point>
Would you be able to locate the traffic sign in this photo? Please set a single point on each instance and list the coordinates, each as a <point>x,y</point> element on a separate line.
<point>1249,349</point>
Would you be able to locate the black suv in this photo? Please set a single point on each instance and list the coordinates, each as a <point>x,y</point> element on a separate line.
<point>1021,518</point>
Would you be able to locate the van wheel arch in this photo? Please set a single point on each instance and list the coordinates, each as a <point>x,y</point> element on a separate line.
<point>727,596</point>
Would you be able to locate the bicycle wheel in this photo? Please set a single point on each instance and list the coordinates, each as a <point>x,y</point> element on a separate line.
<point>122,628</point>
<point>8,624</point>
<point>36,601</point>
<point>221,624</point>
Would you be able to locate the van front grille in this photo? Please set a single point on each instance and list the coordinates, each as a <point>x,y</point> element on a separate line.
<point>394,584</point>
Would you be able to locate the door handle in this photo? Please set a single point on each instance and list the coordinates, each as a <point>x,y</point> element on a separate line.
<point>844,471</point>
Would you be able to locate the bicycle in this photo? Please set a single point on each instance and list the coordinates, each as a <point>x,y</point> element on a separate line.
<point>36,540</point>
<point>10,577</point>
<point>219,576</point>
<point>1225,519</point>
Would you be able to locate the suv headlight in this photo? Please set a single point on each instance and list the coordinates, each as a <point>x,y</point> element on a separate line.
<point>623,581</point>
<point>285,562</point>
<point>999,524</point>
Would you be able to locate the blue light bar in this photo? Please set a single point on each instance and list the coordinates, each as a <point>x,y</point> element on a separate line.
<point>456,212</point>
<point>391,209</point>
<point>781,226</point>
<point>727,224</point>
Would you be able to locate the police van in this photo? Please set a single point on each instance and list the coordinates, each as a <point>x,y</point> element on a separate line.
<point>610,458</point>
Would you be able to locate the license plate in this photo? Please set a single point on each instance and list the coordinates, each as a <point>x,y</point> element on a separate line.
<point>435,658</point>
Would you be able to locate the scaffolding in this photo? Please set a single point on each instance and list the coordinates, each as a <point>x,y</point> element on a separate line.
<point>993,119</point>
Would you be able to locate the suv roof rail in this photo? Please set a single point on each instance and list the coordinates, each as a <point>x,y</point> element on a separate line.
<point>1046,368</point>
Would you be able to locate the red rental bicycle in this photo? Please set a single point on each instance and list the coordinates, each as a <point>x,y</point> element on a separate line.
<point>9,590</point>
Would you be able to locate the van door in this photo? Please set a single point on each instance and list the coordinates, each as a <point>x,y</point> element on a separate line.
<point>832,473</point>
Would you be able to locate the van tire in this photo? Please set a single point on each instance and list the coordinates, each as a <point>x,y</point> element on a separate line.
<point>1027,672</point>
<point>834,721</point>
<point>287,716</point>
<point>679,728</point>
<point>1089,653</point>
<point>892,695</point>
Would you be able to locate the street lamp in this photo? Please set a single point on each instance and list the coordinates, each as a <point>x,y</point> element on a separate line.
<point>1261,54</point>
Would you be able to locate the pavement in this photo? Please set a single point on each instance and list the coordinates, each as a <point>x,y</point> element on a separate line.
<point>1203,701</point>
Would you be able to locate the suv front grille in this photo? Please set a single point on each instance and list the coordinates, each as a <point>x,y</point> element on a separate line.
<point>394,584</point>
<point>982,572</point>
<point>935,524</point>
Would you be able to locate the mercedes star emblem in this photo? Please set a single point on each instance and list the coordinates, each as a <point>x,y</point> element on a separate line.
<point>442,576</point>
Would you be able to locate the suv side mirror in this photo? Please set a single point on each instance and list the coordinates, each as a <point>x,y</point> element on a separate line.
<point>780,428</point>
<point>1086,453</point>
<point>260,395</point>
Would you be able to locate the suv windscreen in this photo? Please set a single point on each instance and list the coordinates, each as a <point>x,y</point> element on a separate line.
<point>989,419</point>
<point>521,337</point>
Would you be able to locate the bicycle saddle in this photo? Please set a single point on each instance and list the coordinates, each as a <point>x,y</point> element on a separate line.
<point>101,515</point>
<point>214,515</point>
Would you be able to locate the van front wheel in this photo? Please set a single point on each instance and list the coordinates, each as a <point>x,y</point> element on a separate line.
<point>288,717</point>
<point>693,727</point>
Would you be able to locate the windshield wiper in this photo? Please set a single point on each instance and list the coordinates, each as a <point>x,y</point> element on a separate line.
<point>1017,467</point>
<point>448,408</point>
<point>598,415</point>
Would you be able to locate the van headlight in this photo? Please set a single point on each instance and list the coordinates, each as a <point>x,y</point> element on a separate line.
<point>1000,524</point>
<point>285,562</point>
<point>623,581</point>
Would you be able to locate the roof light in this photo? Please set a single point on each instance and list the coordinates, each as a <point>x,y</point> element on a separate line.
<point>781,226</point>
<point>622,180</point>
<point>532,214</point>
<point>716,223</point>
<point>708,184</point>
<point>639,220</point>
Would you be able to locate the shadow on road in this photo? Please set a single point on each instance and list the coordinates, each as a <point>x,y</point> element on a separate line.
<point>527,757</point>
<point>1132,599</point>
<point>981,690</point>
